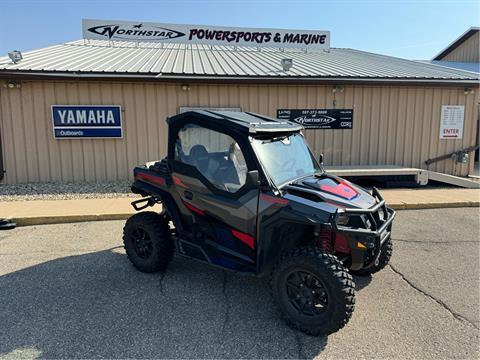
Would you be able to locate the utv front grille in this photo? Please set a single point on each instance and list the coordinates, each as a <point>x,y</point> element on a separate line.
<point>374,221</point>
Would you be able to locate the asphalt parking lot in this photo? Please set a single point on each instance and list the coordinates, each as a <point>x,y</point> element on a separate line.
<point>68,291</point>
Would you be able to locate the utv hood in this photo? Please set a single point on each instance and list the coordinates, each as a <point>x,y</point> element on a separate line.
<point>332,189</point>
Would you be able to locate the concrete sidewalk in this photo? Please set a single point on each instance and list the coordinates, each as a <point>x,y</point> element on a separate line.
<point>63,211</point>
<point>402,199</point>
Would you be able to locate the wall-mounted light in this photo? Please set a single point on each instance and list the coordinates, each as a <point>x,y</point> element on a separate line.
<point>337,88</point>
<point>286,64</point>
<point>15,56</point>
<point>12,84</point>
<point>468,91</point>
<point>185,87</point>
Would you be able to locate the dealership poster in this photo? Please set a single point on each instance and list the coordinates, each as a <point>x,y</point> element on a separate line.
<point>337,119</point>
<point>451,121</point>
<point>87,121</point>
<point>201,34</point>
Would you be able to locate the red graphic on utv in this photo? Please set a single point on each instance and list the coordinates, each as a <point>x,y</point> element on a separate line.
<point>193,208</point>
<point>273,199</point>
<point>245,238</point>
<point>341,189</point>
<point>156,180</point>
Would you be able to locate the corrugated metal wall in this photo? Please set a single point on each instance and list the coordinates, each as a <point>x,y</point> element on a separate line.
<point>468,51</point>
<point>392,125</point>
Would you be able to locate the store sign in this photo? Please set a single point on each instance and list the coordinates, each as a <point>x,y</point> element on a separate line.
<point>319,118</point>
<point>85,121</point>
<point>451,121</point>
<point>200,34</point>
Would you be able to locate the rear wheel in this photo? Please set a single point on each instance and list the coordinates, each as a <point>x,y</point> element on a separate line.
<point>148,241</point>
<point>383,260</point>
<point>313,290</point>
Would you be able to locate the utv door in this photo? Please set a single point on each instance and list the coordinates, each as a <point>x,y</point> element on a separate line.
<point>210,171</point>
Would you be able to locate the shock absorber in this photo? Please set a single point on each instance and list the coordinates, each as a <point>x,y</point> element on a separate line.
<point>323,238</point>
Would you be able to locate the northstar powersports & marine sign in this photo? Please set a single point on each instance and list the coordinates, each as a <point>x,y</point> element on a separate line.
<point>340,119</point>
<point>200,34</point>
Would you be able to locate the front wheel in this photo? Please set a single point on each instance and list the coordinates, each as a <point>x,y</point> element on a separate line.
<point>314,291</point>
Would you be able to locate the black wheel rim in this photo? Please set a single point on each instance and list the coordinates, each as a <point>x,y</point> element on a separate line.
<point>306,293</point>
<point>142,243</point>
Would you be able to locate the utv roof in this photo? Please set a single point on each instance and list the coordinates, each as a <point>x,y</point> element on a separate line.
<point>242,121</point>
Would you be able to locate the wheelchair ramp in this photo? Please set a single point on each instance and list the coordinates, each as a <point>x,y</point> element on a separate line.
<point>421,176</point>
<point>453,180</point>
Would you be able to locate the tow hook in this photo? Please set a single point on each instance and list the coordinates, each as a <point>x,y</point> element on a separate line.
<point>150,201</point>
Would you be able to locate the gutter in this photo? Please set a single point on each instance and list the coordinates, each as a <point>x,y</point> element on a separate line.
<point>234,79</point>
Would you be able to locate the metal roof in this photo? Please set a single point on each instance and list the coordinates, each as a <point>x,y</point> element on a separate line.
<point>457,42</point>
<point>466,66</point>
<point>99,58</point>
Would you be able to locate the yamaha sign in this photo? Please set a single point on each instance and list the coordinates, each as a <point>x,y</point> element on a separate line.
<point>86,121</point>
<point>200,34</point>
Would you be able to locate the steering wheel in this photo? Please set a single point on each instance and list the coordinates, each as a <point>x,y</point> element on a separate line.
<point>288,165</point>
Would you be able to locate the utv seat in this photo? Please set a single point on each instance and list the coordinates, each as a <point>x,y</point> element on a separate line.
<point>203,161</point>
<point>221,172</point>
<point>199,158</point>
<point>232,171</point>
<point>226,176</point>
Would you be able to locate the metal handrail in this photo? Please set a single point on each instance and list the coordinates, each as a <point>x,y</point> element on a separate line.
<point>448,156</point>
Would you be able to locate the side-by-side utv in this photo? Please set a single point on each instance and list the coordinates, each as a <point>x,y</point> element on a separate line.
<point>242,192</point>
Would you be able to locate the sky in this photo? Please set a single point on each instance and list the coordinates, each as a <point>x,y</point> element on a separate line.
<point>409,29</point>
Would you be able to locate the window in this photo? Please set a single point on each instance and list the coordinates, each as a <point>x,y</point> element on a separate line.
<point>285,158</point>
<point>215,155</point>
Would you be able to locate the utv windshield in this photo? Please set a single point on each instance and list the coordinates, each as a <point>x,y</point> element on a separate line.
<point>285,158</point>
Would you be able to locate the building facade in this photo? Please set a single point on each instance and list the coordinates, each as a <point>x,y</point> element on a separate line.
<point>396,104</point>
<point>465,48</point>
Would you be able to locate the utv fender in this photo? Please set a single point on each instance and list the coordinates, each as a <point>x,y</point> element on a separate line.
<point>285,229</point>
<point>172,210</point>
<point>277,240</point>
<point>169,204</point>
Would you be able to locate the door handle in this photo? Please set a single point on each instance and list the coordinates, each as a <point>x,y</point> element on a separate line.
<point>188,194</point>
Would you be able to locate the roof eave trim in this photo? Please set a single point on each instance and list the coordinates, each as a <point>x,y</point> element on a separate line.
<point>456,43</point>
<point>202,78</point>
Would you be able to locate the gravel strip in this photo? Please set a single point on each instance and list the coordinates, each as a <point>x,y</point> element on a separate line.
<point>65,191</point>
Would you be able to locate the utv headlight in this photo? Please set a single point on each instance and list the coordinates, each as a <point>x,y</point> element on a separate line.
<point>342,219</point>
<point>382,215</point>
<point>366,221</point>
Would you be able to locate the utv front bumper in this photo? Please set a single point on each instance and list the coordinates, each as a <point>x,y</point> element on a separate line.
<point>366,230</point>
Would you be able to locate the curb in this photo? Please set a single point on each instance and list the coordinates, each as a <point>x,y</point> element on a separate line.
<point>424,206</point>
<point>46,220</point>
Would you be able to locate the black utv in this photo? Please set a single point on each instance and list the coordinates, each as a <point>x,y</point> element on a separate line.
<point>242,192</point>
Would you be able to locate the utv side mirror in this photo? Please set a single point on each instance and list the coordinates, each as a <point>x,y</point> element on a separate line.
<point>320,159</point>
<point>253,179</point>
